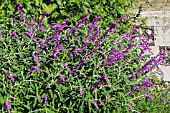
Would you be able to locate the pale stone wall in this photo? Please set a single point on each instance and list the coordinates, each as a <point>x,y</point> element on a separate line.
<point>157,13</point>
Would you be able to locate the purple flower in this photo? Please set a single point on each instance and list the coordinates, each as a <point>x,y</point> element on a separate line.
<point>54,25</point>
<point>74,39</point>
<point>100,101</point>
<point>132,84</point>
<point>134,36</point>
<point>122,17</point>
<point>18,7</point>
<point>96,85</point>
<point>92,26</point>
<point>39,29</point>
<point>132,91</point>
<point>95,104</point>
<point>168,102</point>
<point>103,77</point>
<point>62,80</point>
<point>38,97</point>
<point>133,29</point>
<point>41,19</point>
<point>148,96</point>
<point>41,41</point>
<point>84,74</point>
<point>51,87</point>
<point>44,100</point>
<point>13,33</point>
<point>130,107</point>
<point>110,86</point>
<point>144,68</point>
<point>20,55</point>
<point>35,58</point>
<point>6,104</point>
<point>34,68</point>
<point>93,38</point>
<point>112,24</point>
<point>48,87</point>
<point>137,88</point>
<point>58,93</point>
<point>33,20</point>
<point>80,90</point>
<point>79,22</point>
<point>10,75</point>
<point>129,47</point>
<point>107,95</point>
<point>145,83</point>
<point>20,12</point>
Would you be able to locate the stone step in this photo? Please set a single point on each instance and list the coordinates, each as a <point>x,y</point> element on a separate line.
<point>160,21</point>
<point>157,16</point>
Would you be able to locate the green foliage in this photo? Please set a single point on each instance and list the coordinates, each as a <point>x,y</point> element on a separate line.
<point>61,9</point>
<point>28,92</point>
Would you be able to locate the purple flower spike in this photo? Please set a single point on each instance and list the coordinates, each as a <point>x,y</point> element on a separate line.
<point>20,55</point>
<point>95,104</point>
<point>44,100</point>
<point>107,95</point>
<point>14,34</point>
<point>7,106</point>
<point>122,17</point>
<point>145,83</point>
<point>79,22</point>
<point>127,50</point>
<point>41,19</point>
<point>21,14</point>
<point>58,93</point>
<point>112,24</point>
<point>48,87</point>
<point>38,97</point>
<point>53,25</point>
<point>93,38</point>
<point>110,86</point>
<point>18,7</point>
<point>100,101</point>
<point>130,107</point>
<point>34,68</point>
<point>35,58</point>
<point>92,26</point>
<point>41,41</point>
<point>148,96</point>
<point>137,88</point>
<point>11,76</point>
<point>84,74</point>
<point>62,80</point>
<point>80,90</point>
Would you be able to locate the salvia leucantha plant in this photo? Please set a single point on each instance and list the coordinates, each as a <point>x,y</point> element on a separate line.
<point>55,68</point>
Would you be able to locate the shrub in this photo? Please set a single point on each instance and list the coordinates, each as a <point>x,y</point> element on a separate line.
<point>108,10</point>
<point>85,68</point>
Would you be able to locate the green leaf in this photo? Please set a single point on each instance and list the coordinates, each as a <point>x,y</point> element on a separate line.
<point>87,4</point>
<point>59,2</point>
<point>111,99</point>
<point>24,10</point>
<point>1,99</point>
<point>45,7</point>
<point>103,1</point>
<point>120,10</point>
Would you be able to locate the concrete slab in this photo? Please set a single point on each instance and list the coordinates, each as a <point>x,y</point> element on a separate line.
<point>157,14</point>
<point>166,71</point>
